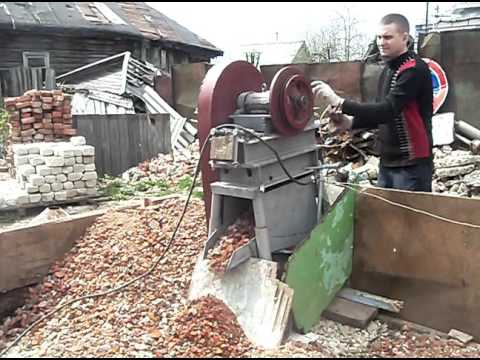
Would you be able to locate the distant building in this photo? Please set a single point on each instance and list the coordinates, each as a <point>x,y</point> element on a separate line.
<point>67,35</point>
<point>274,53</point>
<point>464,15</point>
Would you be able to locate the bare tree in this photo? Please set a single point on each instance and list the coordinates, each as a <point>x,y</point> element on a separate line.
<point>338,40</point>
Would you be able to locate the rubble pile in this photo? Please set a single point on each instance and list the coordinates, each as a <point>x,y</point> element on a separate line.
<point>39,115</point>
<point>171,167</point>
<point>119,246</point>
<point>237,235</point>
<point>55,171</point>
<point>457,172</point>
<point>208,328</point>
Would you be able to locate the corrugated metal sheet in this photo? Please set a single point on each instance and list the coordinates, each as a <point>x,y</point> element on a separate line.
<point>83,104</point>
<point>135,19</point>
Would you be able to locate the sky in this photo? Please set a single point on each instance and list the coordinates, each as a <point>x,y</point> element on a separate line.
<point>227,25</point>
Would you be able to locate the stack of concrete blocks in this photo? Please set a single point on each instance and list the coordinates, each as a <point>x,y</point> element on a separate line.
<point>50,172</point>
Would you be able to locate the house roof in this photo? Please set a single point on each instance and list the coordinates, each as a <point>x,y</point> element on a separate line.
<point>274,53</point>
<point>132,19</point>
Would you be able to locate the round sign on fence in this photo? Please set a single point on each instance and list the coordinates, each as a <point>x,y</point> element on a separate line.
<point>439,82</point>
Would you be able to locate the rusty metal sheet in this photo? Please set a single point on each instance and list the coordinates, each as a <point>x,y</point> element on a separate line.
<point>458,52</point>
<point>430,264</point>
<point>344,77</point>
<point>186,79</point>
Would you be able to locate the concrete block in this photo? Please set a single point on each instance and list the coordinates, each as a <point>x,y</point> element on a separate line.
<point>56,170</point>
<point>61,196</point>
<point>91,175</point>
<point>31,189</point>
<point>57,186</point>
<point>78,184</point>
<point>90,167</point>
<point>79,168</point>
<point>92,192</point>
<point>19,149</point>
<point>89,160</point>
<point>46,151</point>
<point>68,185</point>
<point>77,152</point>
<point>43,170</point>
<point>47,197</point>
<point>75,176</point>
<point>36,160</point>
<point>79,159</point>
<point>22,200</point>
<point>45,188</point>
<point>35,198</point>
<point>64,152</point>
<point>71,193</point>
<point>87,150</point>
<point>70,161</point>
<point>78,140</point>
<point>50,179</point>
<point>34,149</point>
<point>19,160</point>
<point>82,192</point>
<point>61,178</point>
<point>67,169</point>
<point>91,183</point>
<point>54,161</point>
<point>26,170</point>
<point>36,180</point>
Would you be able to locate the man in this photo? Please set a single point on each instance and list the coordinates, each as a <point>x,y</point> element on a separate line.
<point>402,113</point>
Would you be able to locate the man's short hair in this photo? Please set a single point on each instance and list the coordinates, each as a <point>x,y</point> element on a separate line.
<point>397,19</point>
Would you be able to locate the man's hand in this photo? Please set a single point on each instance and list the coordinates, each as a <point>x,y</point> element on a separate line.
<point>339,123</point>
<point>325,92</point>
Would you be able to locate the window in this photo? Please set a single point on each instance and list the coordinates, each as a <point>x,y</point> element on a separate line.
<point>36,59</point>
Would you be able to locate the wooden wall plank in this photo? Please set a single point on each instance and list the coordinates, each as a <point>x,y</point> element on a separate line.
<point>123,141</point>
<point>430,264</point>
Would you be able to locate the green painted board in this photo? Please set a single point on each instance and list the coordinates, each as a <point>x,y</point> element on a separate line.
<point>319,267</point>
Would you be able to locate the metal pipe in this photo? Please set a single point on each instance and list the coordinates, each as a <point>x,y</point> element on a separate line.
<point>467,130</point>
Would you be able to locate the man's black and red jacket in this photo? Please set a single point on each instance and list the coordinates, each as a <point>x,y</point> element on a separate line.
<point>402,113</point>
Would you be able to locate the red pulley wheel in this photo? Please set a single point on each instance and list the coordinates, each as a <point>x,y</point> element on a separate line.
<point>216,101</point>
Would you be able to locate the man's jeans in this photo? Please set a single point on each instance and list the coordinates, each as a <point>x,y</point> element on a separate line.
<point>412,178</point>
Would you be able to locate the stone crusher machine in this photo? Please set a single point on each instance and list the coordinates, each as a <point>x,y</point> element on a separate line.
<point>263,160</point>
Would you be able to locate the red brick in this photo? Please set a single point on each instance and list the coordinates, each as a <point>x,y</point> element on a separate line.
<point>21,105</point>
<point>49,137</point>
<point>16,132</point>
<point>57,114</point>
<point>57,120</point>
<point>38,126</point>
<point>16,124</point>
<point>47,106</point>
<point>38,111</point>
<point>47,125</point>
<point>29,132</point>
<point>68,121</point>
<point>46,93</point>
<point>67,116</point>
<point>47,115</point>
<point>57,126</point>
<point>26,126</point>
<point>38,117</point>
<point>46,131</point>
<point>26,110</point>
<point>33,92</point>
<point>11,108</point>
<point>47,100</point>
<point>29,120</point>
<point>58,131</point>
<point>70,132</point>
<point>23,98</point>
<point>9,101</point>
<point>36,104</point>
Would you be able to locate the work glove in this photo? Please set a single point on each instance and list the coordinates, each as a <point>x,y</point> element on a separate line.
<point>339,122</point>
<point>323,91</point>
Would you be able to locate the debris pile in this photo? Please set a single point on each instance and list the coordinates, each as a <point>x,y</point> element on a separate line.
<point>119,246</point>
<point>237,235</point>
<point>55,171</point>
<point>457,172</point>
<point>208,328</point>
